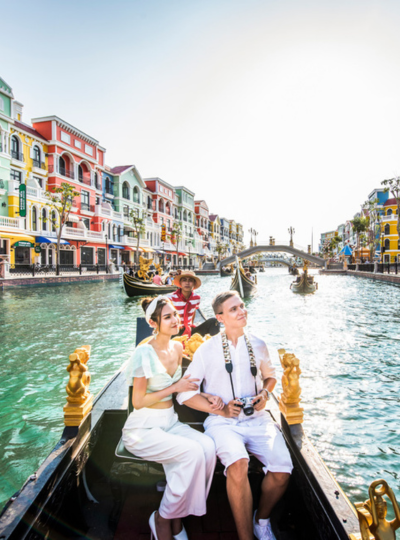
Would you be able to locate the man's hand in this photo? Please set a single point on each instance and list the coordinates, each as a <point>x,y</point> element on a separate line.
<point>232,409</point>
<point>260,401</point>
<point>216,402</point>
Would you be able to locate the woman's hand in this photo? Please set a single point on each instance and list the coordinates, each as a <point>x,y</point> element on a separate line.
<point>216,402</point>
<point>186,385</point>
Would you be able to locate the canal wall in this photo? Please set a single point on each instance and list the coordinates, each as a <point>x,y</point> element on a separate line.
<point>53,280</point>
<point>388,278</point>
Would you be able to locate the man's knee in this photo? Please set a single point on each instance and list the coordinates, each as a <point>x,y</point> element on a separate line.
<point>280,479</point>
<point>238,470</point>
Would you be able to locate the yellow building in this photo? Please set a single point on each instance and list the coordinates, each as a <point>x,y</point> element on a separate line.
<point>390,236</point>
<point>28,165</point>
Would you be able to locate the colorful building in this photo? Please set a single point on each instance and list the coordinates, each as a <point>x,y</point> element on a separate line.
<point>185,215</point>
<point>390,237</point>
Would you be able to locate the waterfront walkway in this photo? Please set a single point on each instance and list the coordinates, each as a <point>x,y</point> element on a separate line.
<point>376,276</point>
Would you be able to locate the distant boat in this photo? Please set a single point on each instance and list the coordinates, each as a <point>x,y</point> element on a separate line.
<point>137,287</point>
<point>225,273</point>
<point>304,284</point>
<point>249,287</point>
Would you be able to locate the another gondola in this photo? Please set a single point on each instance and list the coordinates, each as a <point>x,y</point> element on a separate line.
<point>88,487</point>
<point>136,287</point>
<point>304,284</point>
<point>294,271</point>
<point>224,273</point>
<point>249,287</point>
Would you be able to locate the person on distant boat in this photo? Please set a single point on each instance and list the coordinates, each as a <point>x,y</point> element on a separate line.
<point>153,431</point>
<point>249,276</point>
<point>235,365</point>
<point>186,301</point>
<point>157,279</point>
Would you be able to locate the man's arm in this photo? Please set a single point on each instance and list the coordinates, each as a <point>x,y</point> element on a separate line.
<point>200,403</point>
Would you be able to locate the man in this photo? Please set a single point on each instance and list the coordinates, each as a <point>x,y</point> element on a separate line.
<point>236,365</point>
<point>186,301</point>
<point>157,279</point>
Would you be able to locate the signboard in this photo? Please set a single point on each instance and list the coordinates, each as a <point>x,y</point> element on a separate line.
<point>22,200</point>
<point>23,243</point>
<point>38,249</point>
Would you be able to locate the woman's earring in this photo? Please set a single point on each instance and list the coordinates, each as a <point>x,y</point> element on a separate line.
<point>155,332</point>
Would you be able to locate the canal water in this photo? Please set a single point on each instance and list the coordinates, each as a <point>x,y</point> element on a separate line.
<point>347,337</point>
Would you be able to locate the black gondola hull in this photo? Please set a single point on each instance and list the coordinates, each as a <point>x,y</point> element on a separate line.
<point>249,287</point>
<point>135,287</point>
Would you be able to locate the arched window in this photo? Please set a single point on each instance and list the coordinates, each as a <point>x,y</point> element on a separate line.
<point>36,156</point>
<point>109,231</point>
<point>389,212</point>
<point>15,148</point>
<point>96,181</point>
<point>53,221</point>
<point>115,233</point>
<point>161,206</point>
<point>44,220</point>
<point>34,218</point>
<point>189,217</point>
<point>125,191</point>
<point>136,195</point>
<point>119,234</point>
<point>184,215</point>
<point>149,203</point>
<point>80,173</point>
<point>168,209</point>
<point>176,213</point>
<point>61,164</point>
<point>387,244</point>
<point>387,229</point>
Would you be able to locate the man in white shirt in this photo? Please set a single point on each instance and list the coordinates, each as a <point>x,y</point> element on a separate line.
<point>235,365</point>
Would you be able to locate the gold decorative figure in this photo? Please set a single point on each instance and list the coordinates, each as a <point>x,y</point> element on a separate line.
<point>372,514</point>
<point>144,268</point>
<point>79,400</point>
<point>289,401</point>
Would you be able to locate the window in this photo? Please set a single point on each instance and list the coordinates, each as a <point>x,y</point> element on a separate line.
<point>16,176</point>
<point>86,222</point>
<point>85,200</point>
<point>53,221</point>
<point>78,144</point>
<point>389,212</point>
<point>65,137</point>
<point>44,220</point>
<point>36,156</point>
<point>126,212</point>
<point>61,164</point>
<point>387,244</point>
<point>161,205</point>
<point>125,191</point>
<point>1,104</point>
<point>16,148</point>
<point>96,181</point>
<point>88,150</point>
<point>115,233</point>
<point>34,218</point>
<point>80,173</point>
<point>109,186</point>
<point>87,255</point>
<point>39,181</point>
<point>136,195</point>
<point>119,234</point>
<point>387,229</point>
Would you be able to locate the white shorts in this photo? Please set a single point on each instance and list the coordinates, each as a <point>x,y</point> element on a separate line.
<point>259,436</point>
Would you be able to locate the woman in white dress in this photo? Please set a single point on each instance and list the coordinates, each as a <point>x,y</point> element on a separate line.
<point>153,431</point>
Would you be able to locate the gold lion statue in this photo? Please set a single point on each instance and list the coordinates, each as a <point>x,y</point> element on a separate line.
<point>144,268</point>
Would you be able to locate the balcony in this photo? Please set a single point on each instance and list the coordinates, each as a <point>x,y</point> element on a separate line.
<point>85,207</point>
<point>392,217</point>
<point>19,156</point>
<point>102,211</point>
<point>62,172</point>
<point>11,223</point>
<point>35,193</point>
<point>84,180</point>
<point>72,232</point>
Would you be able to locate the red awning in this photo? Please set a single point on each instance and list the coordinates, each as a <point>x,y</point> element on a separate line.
<point>126,248</point>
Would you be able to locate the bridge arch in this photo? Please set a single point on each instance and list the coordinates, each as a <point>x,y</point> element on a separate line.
<point>274,249</point>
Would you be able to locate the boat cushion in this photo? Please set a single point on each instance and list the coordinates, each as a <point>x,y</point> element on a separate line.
<point>122,453</point>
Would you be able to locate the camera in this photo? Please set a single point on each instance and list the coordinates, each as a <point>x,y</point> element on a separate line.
<point>246,403</point>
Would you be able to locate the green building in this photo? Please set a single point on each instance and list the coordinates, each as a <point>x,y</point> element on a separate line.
<point>6,97</point>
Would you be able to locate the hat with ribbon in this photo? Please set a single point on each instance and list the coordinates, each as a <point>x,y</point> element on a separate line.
<point>188,274</point>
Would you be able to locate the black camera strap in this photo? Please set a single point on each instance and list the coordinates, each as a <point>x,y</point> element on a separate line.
<point>228,360</point>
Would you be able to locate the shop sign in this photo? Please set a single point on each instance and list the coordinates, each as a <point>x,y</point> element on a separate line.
<point>23,243</point>
<point>38,249</point>
<point>22,200</point>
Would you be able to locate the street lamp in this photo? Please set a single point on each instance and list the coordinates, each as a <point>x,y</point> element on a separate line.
<point>291,231</point>
<point>382,246</point>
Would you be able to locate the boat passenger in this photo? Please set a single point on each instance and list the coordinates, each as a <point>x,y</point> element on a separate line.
<point>169,279</point>
<point>249,276</point>
<point>153,431</point>
<point>186,301</point>
<point>157,279</point>
<point>234,365</point>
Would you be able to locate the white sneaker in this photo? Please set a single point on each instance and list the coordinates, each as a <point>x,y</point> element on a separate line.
<point>263,530</point>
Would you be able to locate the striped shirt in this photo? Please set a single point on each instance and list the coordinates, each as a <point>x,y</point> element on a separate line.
<point>186,308</point>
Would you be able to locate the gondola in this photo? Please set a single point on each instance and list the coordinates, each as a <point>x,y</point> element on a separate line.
<point>224,273</point>
<point>294,271</point>
<point>304,284</point>
<point>261,269</point>
<point>249,287</point>
<point>89,488</point>
<point>136,287</point>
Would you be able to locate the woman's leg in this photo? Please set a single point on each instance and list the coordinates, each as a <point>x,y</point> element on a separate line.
<point>185,468</point>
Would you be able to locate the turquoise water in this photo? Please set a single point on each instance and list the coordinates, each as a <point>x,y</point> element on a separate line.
<point>347,337</point>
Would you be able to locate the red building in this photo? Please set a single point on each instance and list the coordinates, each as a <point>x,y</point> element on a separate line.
<point>77,159</point>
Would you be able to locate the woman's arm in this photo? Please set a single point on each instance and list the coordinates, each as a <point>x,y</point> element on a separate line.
<point>140,399</point>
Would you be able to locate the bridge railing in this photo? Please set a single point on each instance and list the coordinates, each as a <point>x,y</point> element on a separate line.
<point>264,242</point>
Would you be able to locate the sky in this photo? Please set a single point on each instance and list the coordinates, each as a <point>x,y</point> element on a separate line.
<point>278,113</point>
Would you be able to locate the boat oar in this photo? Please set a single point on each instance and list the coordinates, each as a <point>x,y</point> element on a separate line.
<point>239,277</point>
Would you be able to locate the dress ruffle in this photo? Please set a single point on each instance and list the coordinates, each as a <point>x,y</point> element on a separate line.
<point>144,362</point>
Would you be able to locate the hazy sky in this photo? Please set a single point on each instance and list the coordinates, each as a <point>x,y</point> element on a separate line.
<point>278,113</point>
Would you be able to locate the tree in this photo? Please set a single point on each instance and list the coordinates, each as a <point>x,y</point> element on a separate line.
<point>139,228</point>
<point>393,185</point>
<point>221,249</point>
<point>360,225</point>
<point>176,237</point>
<point>61,199</point>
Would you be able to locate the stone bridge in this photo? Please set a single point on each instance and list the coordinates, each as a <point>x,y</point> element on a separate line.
<point>275,249</point>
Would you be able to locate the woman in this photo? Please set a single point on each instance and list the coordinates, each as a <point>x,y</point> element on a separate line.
<point>153,431</point>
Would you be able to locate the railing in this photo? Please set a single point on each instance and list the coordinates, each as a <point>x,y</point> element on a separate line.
<point>45,270</point>
<point>72,231</point>
<point>38,164</point>
<point>94,234</point>
<point>101,211</point>
<point>10,222</point>
<point>85,180</point>
<point>366,267</point>
<point>34,192</point>
<point>17,155</point>
<point>87,207</point>
<point>392,217</point>
<point>117,215</point>
<point>62,171</point>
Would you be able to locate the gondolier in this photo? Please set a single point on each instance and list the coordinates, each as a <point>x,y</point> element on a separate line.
<point>186,302</point>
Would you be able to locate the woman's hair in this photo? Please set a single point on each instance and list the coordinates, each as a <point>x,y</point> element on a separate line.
<point>156,315</point>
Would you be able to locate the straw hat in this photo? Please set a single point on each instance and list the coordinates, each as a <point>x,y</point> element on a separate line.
<point>187,273</point>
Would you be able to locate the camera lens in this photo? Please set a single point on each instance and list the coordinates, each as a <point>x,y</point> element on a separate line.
<point>248,410</point>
